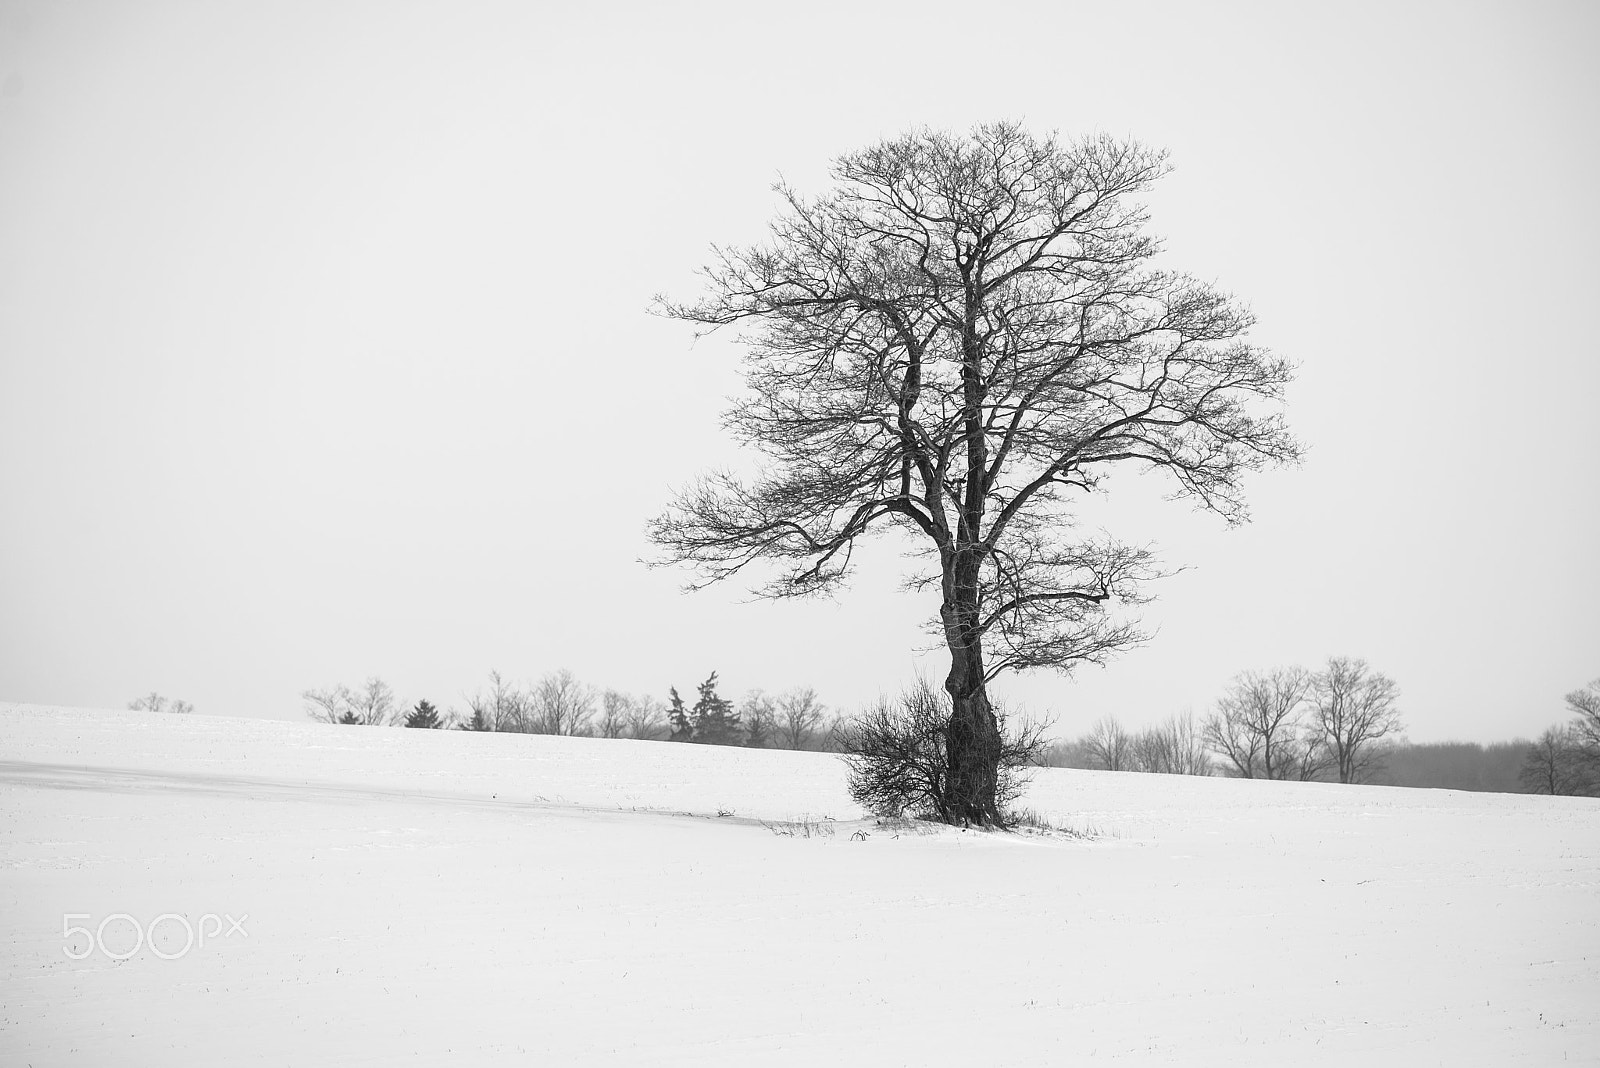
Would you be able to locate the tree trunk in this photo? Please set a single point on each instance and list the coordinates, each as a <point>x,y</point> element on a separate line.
<point>972,745</point>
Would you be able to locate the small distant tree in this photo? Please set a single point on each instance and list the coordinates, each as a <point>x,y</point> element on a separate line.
<point>1555,764</point>
<point>1108,746</point>
<point>349,719</point>
<point>502,707</point>
<point>1259,729</point>
<point>644,718</point>
<point>154,702</point>
<point>562,705</point>
<point>715,721</point>
<point>759,715</point>
<point>1172,748</point>
<point>425,716</point>
<point>373,705</point>
<point>614,710</point>
<point>513,708</point>
<point>680,728</point>
<point>799,717</point>
<point>478,721</point>
<point>1354,710</point>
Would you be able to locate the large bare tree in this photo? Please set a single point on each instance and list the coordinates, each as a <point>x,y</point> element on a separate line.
<point>965,333</point>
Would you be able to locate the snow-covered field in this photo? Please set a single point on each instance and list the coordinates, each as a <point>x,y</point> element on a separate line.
<point>432,897</point>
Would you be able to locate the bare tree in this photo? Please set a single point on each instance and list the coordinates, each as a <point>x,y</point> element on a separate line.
<point>154,702</point>
<point>502,707</point>
<point>759,715</point>
<point>1354,709</point>
<point>1309,759</point>
<point>1109,747</point>
<point>963,335</point>
<point>1555,763</point>
<point>1584,705</point>
<point>325,705</point>
<point>1176,747</point>
<point>562,705</point>
<point>1257,726</point>
<point>373,705</point>
<point>614,710</point>
<point>799,717</point>
<point>831,738</point>
<point>645,718</point>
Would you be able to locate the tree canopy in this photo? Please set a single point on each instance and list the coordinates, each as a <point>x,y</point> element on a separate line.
<point>960,336</point>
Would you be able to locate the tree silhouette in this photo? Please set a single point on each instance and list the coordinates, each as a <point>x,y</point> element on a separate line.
<point>715,721</point>
<point>424,715</point>
<point>679,726</point>
<point>960,338</point>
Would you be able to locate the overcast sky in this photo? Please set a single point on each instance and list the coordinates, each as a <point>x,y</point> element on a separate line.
<point>324,345</point>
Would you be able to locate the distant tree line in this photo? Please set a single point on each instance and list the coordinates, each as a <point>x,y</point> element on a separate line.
<point>1340,724</point>
<point>1337,724</point>
<point>155,702</point>
<point>560,704</point>
<point>1286,723</point>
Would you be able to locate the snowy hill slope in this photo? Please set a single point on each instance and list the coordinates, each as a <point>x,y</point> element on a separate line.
<point>429,897</point>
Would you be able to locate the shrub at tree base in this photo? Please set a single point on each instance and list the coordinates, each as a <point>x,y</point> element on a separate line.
<point>898,755</point>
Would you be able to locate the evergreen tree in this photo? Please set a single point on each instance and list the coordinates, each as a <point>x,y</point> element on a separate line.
<point>424,715</point>
<point>678,720</point>
<point>715,721</point>
<point>478,722</point>
<point>349,718</point>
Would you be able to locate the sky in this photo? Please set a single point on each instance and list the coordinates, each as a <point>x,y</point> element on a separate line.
<point>325,348</point>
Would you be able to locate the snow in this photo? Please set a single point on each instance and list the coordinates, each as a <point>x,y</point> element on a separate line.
<point>432,897</point>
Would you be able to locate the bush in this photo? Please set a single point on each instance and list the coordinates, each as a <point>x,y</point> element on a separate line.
<point>896,752</point>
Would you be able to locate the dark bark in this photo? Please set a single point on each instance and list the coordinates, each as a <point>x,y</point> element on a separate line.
<point>973,743</point>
